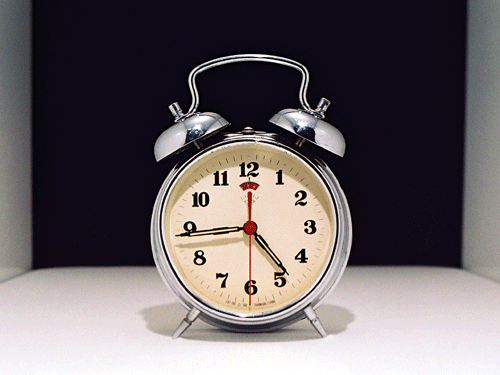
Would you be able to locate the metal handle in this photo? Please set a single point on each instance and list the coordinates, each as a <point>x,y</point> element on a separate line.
<point>243,58</point>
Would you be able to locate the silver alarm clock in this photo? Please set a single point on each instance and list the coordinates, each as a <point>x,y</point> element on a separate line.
<point>250,230</point>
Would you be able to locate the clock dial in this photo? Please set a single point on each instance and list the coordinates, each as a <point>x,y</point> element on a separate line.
<point>249,228</point>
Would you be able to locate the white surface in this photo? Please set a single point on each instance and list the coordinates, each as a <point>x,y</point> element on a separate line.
<point>15,137</point>
<point>380,320</point>
<point>481,229</point>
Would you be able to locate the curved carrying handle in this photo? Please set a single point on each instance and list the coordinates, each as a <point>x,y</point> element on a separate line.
<point>176,111</point>
<point>306,123</point>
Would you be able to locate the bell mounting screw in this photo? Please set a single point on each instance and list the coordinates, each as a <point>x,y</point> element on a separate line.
<point>322,107</point>
<point>176,111</point>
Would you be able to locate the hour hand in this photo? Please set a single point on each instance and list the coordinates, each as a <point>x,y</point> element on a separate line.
<point>212,231</point>
<point>264,245</point>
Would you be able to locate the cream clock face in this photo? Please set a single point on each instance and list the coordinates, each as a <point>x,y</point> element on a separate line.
<point>248,228</point>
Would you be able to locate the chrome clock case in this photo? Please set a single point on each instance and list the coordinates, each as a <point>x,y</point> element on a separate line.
<point>199,133</point>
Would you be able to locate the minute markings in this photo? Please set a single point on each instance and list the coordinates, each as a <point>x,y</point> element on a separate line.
<point>212,215</point>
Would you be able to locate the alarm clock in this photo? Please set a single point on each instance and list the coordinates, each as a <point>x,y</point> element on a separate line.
<point>250,230</point>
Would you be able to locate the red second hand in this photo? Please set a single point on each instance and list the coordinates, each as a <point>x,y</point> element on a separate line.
<point>249,196</point>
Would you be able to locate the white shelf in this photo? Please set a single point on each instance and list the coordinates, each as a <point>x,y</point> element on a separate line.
<point>379,320</point>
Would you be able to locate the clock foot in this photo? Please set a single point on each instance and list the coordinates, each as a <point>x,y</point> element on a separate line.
<point>313,318</point>
<point>186,322</point>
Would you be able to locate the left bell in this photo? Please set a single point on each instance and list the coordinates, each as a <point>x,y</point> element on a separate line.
<point>188,130</point>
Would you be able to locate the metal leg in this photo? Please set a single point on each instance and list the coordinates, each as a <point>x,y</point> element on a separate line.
<point>186,322</point>
<point>313,318</point>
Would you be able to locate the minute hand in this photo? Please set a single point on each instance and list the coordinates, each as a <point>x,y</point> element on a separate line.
<point>260,240</point>
<point>212,231</point>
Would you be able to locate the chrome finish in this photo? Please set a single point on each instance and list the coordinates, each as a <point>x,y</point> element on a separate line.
<point>186,322</point>
<point>322,107</point>
<point>190,130</point>
<point>312,128</point>
<point>176,110</point>
<point>316,323</point>
<point>247,58</point>
<point>306,123</point>
<point>288,315</point>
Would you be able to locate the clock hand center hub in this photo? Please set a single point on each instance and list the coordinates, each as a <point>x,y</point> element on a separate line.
<point>250,227</point>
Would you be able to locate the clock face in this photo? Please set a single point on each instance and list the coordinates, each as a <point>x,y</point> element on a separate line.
<point>248,228</point>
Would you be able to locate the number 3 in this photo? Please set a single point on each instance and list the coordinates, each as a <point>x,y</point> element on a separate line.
<point>310,227</point>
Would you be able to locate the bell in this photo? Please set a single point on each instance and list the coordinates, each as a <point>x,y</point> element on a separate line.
<point>309,125</point>
<point>188,130</point>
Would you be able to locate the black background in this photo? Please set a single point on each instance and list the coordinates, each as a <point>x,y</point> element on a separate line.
<point>106,71</point>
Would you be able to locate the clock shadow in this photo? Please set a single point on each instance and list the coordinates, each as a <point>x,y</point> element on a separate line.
<point>164,320</point>
<point>210,242</point>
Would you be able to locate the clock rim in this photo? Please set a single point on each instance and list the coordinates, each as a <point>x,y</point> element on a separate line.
<point>291,312</point>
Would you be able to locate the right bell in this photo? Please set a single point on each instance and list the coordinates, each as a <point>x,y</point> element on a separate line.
<point>309,125</point>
